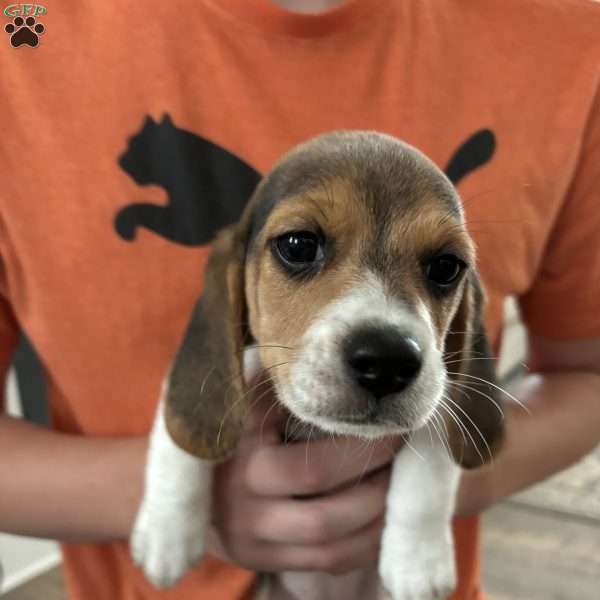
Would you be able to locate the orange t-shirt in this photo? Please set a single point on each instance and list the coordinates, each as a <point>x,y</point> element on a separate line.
<point>132,132</point>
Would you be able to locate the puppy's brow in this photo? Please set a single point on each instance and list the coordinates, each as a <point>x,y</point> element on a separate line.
<point>291,215</point>
<point>314,200</point>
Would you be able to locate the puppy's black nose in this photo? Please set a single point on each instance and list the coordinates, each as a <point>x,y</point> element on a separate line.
<point>382,361</point>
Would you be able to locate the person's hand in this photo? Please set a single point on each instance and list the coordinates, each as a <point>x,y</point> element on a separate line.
<point>315,505</point>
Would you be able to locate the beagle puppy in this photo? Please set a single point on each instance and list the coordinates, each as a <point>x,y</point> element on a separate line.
<point>352,271</point>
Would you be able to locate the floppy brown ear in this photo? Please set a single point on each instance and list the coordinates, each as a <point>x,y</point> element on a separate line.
<point>476,403</point>
<point>204,407</point>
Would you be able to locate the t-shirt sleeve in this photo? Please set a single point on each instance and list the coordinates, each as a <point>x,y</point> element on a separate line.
<point>564,301</point>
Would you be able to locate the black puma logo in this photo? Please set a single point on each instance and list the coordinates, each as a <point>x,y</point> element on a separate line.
<point>208,187</point>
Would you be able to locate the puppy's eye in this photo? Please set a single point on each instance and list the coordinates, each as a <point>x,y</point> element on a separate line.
<point>444,270</point>
<point>299,248</point>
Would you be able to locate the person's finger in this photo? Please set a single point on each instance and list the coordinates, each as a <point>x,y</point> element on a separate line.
<point>358,550</point>
<point>324,519</point>
<point>316,466</point>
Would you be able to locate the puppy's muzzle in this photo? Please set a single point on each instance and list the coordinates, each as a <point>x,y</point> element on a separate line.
<point>383,361</point>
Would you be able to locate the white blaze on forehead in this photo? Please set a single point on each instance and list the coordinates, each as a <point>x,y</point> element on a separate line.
<point>369,303</point>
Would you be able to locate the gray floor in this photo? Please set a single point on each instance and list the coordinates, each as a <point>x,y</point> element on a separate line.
<point>541,545</point>
<point>544,544</point>
<point>46,587</point>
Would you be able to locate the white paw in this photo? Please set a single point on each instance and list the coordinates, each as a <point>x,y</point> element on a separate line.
<point>425,574</point>
<point>167,541</point>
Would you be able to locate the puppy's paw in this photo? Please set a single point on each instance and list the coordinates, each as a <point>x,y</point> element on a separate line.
<point>166,542</point>
<point>425,574</point>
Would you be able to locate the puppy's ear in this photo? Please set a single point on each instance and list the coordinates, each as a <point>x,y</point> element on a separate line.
<point>475,402</point>
<point>204,408</point>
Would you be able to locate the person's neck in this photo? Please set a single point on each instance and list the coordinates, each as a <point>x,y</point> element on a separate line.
<point>308,6</point>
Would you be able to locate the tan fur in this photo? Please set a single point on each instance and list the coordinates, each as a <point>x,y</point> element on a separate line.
<point>419,231</point>
<point>278,313</point>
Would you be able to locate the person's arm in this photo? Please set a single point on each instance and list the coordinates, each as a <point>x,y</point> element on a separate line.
<point>54,485</point>
<point>80,488</point>
<point>562,395</point>
<point>68,487</point>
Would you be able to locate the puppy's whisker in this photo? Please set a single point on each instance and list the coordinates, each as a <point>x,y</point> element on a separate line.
<point>289,420</point>
<point>465,357</point>
<point>366,445</point>
<point>368,461</point>
<point>443,441</point>
<point>460,384</point>
<point>345,453</point>
<point>229,382</point>
<point>478,431</point>
<point>234,405</point>
<point>429,432</point>
<point>333,438</point>
<point>430,425</point>
<point>291,426</point>
<point>455,418</point>
<point>298,433</point>
<point>455,331</point>
<point>253,346</point>
<point>293,430</point>
<point>444,431</point>
<point>246,394</point>
<point>267,379</point>
<point>308,442</point>
<point>459,360</point>
<point>264,419</point>
<point>388,441</point>
<point>206,378</point>
<point>443,424</point>
<point>249,390</point>
<point>448,355</point>
<point>277,365</point>
<point>458,389</point>
<point>497,387</point>
<point>462,428</point>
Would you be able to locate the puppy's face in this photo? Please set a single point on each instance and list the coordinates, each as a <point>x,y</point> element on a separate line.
<point>355,267</point>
